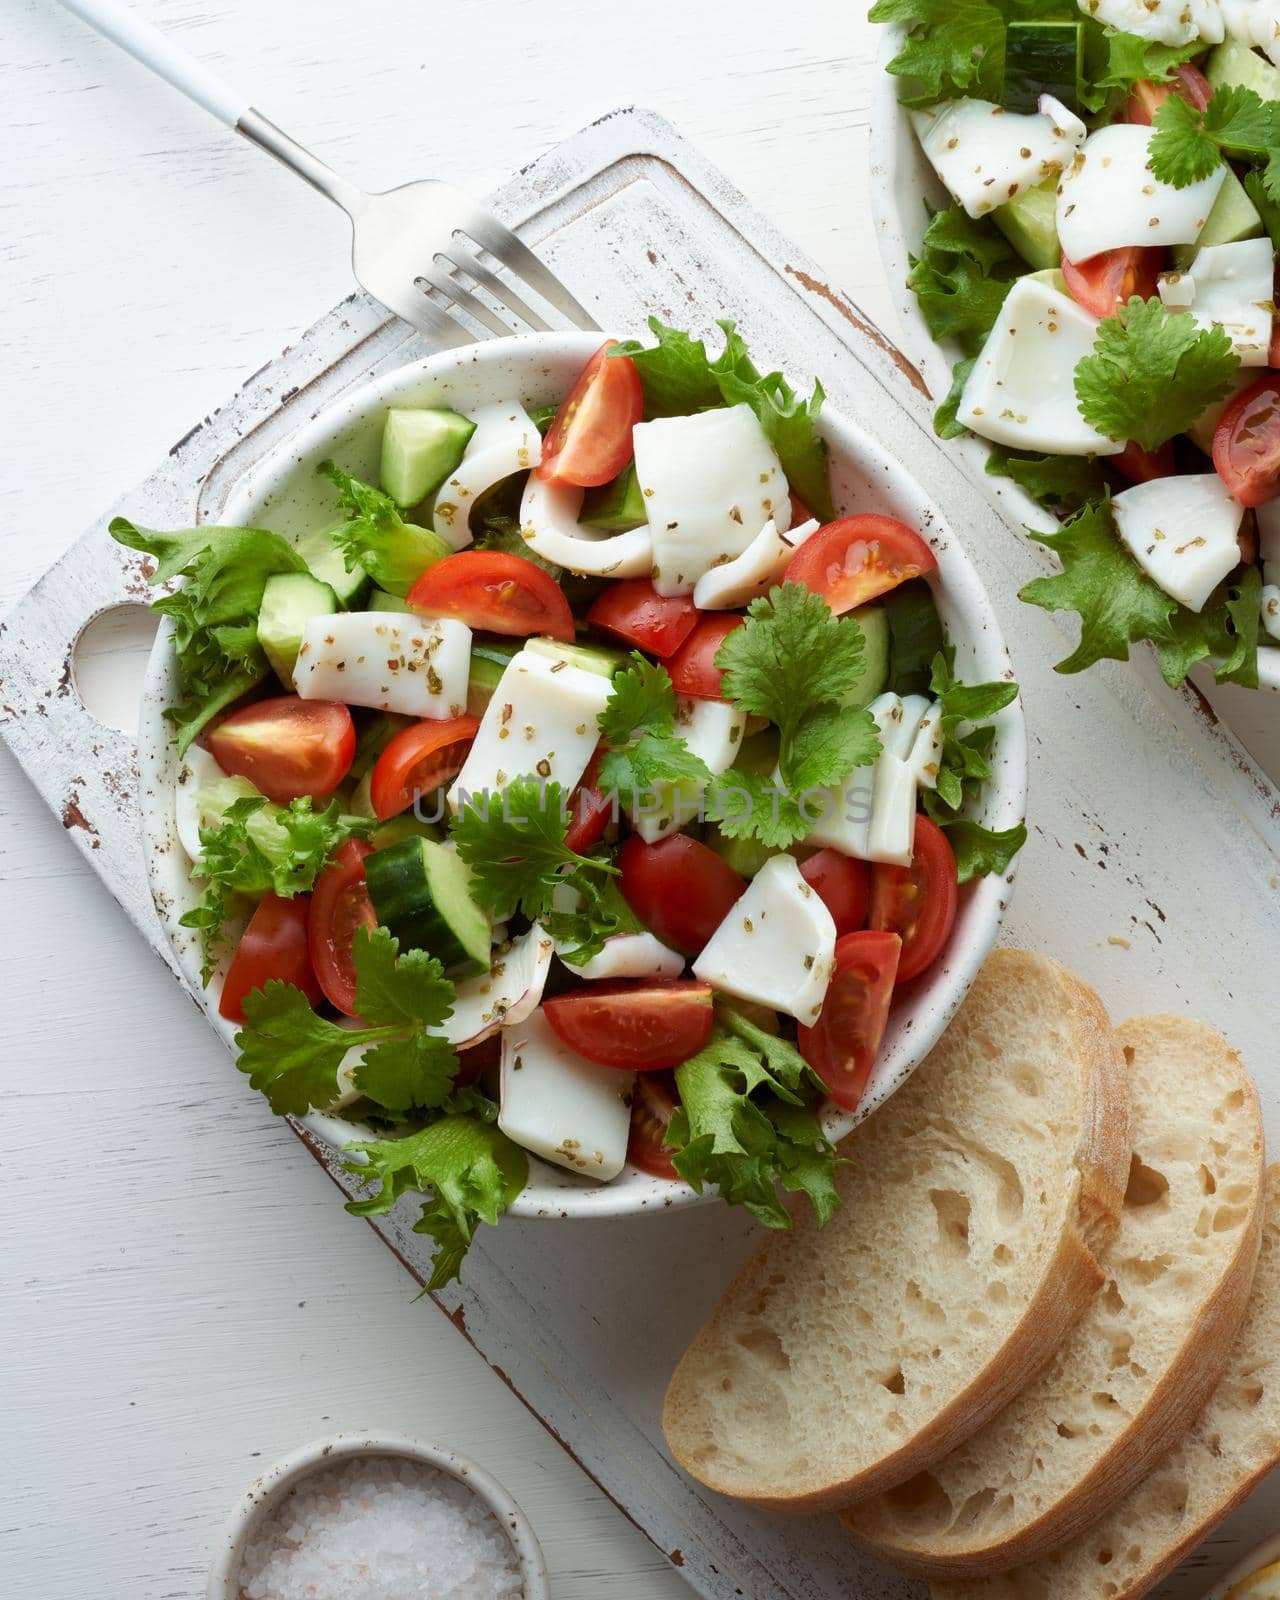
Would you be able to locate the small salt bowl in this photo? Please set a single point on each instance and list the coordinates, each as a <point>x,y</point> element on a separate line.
<point>288,1478</point>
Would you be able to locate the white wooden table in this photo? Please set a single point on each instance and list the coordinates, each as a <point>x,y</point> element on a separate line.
<point>184,1299</point>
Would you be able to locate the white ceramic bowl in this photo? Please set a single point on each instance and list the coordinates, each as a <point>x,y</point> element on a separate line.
<point>284,493</point>
<point>264,1494</point>
<point>903,186</point>
<point>1255,1561</point>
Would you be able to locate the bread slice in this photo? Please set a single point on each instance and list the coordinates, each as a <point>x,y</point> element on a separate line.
<point>1146,1355</point>
<point>844,1361</point>
<point>1232,1445</point>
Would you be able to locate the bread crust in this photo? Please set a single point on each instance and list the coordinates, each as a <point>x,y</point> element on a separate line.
<point>1173,1404</point>
<point>1074,1275</point>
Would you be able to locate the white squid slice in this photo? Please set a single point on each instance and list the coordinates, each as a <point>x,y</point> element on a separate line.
<point>550,526</point>
<point>736,583</point>
<point>505,441</point>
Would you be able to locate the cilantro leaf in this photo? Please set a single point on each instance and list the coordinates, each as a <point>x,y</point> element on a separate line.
<point>1188,144</point>
<point>400,1074</point>
<point>1145,351</point>
<point>469,1169</point>
<point>376,537</point>
<point>289,1053</point>
<point>1182,152</point>
<point>392,988</point>
<point>747,1122</point>
<point>678,377</point>
<point>637,729</point>
<point>256,847</point>
<point>1061,484</point>
<point>961,276</point>
<point>214,613</point>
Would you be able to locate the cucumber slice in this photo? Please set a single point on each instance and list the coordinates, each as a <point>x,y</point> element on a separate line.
<point>1030,223</point>
<point>380,600</point>
<point>422,892</point>
<point>1043,58</point>
<point>419,451</point>
<point>361,802</point>
<point>874,623</point>
<point>405,826</point>
<point>601,659</point>
<point>326,561</point>
<point>745,856</point>
<point>1232,217</point>
<point>488,663</point>
<point>617,506</point>
<point>1234,63</point>
<point>1267,209</point>
<point>289,600</point>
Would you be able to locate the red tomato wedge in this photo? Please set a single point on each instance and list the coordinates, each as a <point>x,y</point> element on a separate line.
<point>841,1046</point>
<point>1147,97</point>
<point>1141,466</point>
<point>286,746</point>
<point>1246,443</point>
<point>854,559</point>
<point>339,905</point>
<point>843,885</point>
<point>636,613</point>
<point>680,890</point>
<point>636,1027</point>
<point>693,668</point>
<point>476,1059</point>
<point>590,812</point>
<point>653,1104</point>
<point>274,945</point>
<point>1111,279</point>
<point>918,902</point>
<point>590,440</point>
<point>418,760</point>
<point>495,592</point>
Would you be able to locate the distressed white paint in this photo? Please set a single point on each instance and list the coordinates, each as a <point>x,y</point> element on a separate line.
<point>182,1287</point>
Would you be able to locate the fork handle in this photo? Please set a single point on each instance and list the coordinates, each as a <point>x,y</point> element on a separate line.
<point>115,21</point>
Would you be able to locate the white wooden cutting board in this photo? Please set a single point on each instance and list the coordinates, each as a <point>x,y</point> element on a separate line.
<point>1152,867</point>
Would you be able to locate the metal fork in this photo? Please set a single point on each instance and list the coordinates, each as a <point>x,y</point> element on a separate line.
<point>418,249</point>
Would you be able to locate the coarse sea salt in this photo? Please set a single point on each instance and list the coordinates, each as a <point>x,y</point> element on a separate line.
<point>380,1528</point>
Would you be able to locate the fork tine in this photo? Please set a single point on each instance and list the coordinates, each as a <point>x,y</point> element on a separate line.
<point>469,262</point>
<point>429,319</point>
<point>454,292</point>
<point>499,241</point>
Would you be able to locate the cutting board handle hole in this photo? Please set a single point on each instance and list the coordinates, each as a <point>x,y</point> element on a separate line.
<point>109,663</point>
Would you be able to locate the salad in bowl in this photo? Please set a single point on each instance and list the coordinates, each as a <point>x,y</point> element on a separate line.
<point>1084,206</point>
<point>581,780</point>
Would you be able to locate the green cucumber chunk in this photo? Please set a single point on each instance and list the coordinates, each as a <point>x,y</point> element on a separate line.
<point>404,553</point>
<point>289,600</point>
<point>422,892</point>
<point>1043,58</point>
<point>326,562</point>
<point>373,737</point>
<point>617,506</point>
<point>380,600</point>
<point>488,662</point>
<point>758,752</point>
<point>361,802</point>
<point>601,659</point>
<point>1234,63</point>
<point>405,826</point>
<point>915,636</point>
<point>1030,223</point>
<point>1267,209</point>
<point>1232,217</point>
<point>745,856</point>
<point>875,654</point>
<point>419,451</point>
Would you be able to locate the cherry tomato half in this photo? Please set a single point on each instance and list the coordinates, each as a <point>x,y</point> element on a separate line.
<point>590,440</point>
<point>653,1104</point>
<point>590,811</point>
<point>1141,466</point>
<point>274,945</point>
<point>918,902</point>
<point>339,905</point>
<point>854,559</point>
<point>1147,97</point>
<point>842,884</point>
<point>842,1044</point>
<point>496,592</point>
<point>286,746</point>
<point>636,1027</point>
<point>636,613</point>
<point>418,760</point>
<point>693,668</point>
<point>678,888</point>
<point>1112,278</point>
<point>1246,443</point>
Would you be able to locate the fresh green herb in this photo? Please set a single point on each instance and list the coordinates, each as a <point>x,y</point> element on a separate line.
<point>1267,208</point>
<point>503,533</point>
<point>679,377</point>
<point>961,276</point>
<point>1119,606</point>
<point>915,636</point>
<point>1061,484</point>
<point>256,847</point>
<point>1144,351</point>
<point>293,1056</point>
<point>1188,144</point>
<point>793,662</point>
<point>215,613</point>
<point>469,1168</point>
<point>946,424</point>
<point>964,766</point>
<point>637,730</point>
<point>376,537</point>
<point>1116,61</point>
<point>582,921</point>
<point>952,48</point>
<point>747,1122</point>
